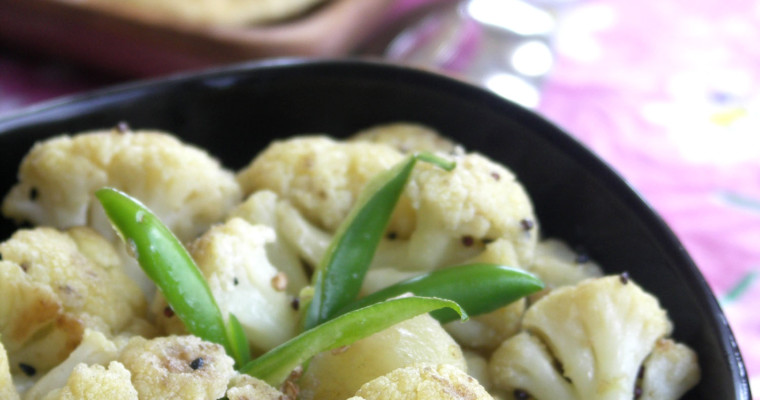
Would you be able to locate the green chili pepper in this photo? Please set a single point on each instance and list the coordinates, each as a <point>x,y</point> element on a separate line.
<point>168,264</point>
<point>478,288</point>
<point>241,351</point>
<point>339,276</point>
<point>274,366</point>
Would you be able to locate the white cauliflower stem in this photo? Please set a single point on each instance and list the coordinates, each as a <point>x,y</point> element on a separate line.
<point>233,259</point>
<point>7,391</point>
<point>596,335</point>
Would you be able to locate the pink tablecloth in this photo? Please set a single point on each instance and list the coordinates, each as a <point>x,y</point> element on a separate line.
<point>667,92</point>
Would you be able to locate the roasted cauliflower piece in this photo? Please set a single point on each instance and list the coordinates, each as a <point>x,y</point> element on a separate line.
<point>96,383</point>
<point>95,348</point>
<point>233,259</point>
<point>669,372</point>
<point>407,137</point>
<point>488,331</point>
<point>338,374</point>
<point>177,367</point>
<point>182,184</point>
<point>246,387</point>
<point>7,390</point>
<point>322,177</point>
<point>55,284</point>
<point>582,342</point>
<point>556,264</point>
<point>423,382</point>
<point>443,218</point>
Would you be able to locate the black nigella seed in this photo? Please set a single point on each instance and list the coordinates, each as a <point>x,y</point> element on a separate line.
<point>521,394</point>
<point>197,363</point>
<point>624,278</point>
<point>168,312</point>
<point>235,281</point>
<point>527,224</point>
<point>468,241</point>
<point>123,127</point>
<point>495,176</point>
<point>295,303</point>
<point>34,194</point>
<point>27,369</point>
<point>392,236</point>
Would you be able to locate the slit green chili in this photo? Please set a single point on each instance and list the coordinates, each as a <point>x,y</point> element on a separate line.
<point>275,365</point>
<point>478,288</point>
<point>168,264</point>
<point>341,271</point>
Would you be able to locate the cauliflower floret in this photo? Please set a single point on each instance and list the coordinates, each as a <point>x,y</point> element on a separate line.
<point>246,387</point>
<point>177,367</point>
<point>486,332</point>
<point>596,334</point>
<point>321,177</point>
<point>338,374</point>
<point>7,390</point>
<point>407,137</point>
<point>233,259</point>
<point>96,383</point>
<point>295,235</point>
<point>182,184</point>
<point>55,284</point>
<point>442,219</point>
<point>95,348</point>
<point>423,382</point>
<point>556,264</point>
<point>669,372</point>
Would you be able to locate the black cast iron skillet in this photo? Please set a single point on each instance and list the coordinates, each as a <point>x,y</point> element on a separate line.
<point>235,111</point>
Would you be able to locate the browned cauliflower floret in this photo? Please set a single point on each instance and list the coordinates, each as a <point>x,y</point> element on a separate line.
<point>182,184</point>
<point>338,374</point>
<point>233,259</point>
<point>96,383</point>
<point>583,342</point>
<point>423,382</point>
<point>246,387</point>
<point>95,348</point>
<point>177,367</point>
<point>7,390</point>
<point>322,177</point>
<point>407,137</point>
<point>55,284</point>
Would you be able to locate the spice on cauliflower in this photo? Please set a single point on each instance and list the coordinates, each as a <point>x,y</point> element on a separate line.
<point>55,284</point>
<point>339,374</point>
<point>233,259</point>
<point>423,382</point>
<point>245,387</point>
<point>582,342</point>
